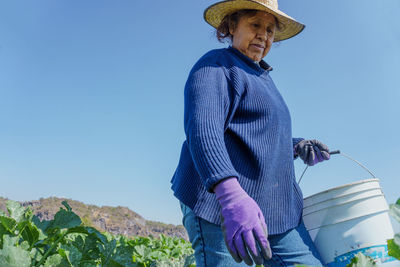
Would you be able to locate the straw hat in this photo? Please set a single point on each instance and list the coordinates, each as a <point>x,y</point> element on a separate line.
<point>215,13</point>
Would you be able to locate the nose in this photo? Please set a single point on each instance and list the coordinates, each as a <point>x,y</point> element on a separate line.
<point>262,34</point>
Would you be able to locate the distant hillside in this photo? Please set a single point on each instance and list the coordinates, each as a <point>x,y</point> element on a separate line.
<point>115,220</point>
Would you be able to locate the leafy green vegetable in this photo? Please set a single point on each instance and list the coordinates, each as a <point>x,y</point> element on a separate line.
<point>66,242</point>
<point>12,256</point>
<point>68,207</point>
<point>56,260</point>
<point>360,260</point>
<point>394,210</point>
<point>15,210</point>
<point>394,249</point>
<point>394,244</point>
<point>65,219</point>
<point>29,232</point>
<point>9,224</point>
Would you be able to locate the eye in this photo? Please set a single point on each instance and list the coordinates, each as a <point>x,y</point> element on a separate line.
<point>256,25</point>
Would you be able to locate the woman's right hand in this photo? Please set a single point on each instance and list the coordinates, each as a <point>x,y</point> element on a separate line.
<point>243,223</point>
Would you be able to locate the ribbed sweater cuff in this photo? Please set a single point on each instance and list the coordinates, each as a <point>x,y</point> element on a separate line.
<point>295,142</point>
<point>212,181</point>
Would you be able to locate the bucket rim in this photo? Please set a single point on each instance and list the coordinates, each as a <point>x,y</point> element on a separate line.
<point>341,186</point>
<point>312,208</point>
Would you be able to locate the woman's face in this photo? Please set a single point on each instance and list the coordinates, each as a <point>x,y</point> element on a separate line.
<point>253,36</point>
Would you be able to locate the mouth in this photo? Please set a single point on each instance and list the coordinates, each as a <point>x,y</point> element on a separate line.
<point>258,46</point>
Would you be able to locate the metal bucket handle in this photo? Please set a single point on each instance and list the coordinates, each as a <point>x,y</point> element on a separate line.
<point>347,156</point>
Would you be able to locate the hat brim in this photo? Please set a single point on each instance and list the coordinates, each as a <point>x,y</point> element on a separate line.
<point>289,27</point>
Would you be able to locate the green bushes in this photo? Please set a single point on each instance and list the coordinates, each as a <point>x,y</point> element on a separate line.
<point>66,241</point>
<point>394,244</point>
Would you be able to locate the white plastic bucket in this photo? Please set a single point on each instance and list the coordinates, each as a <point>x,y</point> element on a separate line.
<point>348,219</point>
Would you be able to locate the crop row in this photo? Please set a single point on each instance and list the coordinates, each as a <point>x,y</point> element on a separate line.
<point>65,241</point>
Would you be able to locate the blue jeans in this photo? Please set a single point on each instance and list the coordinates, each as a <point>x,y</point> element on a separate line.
<point>292,247</point>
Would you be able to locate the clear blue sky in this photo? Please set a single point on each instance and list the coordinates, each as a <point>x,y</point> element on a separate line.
<point>91,95</point>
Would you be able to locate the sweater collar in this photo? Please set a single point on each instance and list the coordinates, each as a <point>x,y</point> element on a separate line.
<point>262,64</point>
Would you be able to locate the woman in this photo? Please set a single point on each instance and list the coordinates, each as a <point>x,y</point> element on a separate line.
<point>235,178</point>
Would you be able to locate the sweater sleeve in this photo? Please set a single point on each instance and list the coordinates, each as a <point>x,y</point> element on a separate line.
<point>295,142</point>
<point>208,97</point>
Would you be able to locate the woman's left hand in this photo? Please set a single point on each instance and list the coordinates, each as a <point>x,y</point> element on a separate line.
<point>312,151</point>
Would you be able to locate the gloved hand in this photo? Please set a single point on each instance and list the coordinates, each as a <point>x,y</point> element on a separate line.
<point>243,223</point>
<point>312,151</point>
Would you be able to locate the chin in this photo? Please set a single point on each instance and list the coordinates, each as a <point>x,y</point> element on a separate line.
<point>254,58</point>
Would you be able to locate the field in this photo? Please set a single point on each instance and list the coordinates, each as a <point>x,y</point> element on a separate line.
<point>26,241</point>
<point>65,241</point>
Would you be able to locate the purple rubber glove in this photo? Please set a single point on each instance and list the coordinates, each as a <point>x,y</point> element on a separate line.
<point>312,151</point>
<point>243,223</point>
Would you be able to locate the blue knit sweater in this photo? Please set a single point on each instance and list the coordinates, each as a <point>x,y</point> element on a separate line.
<point>237,124</point>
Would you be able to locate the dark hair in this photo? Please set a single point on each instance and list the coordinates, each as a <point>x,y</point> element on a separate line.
<point>232,20</point>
